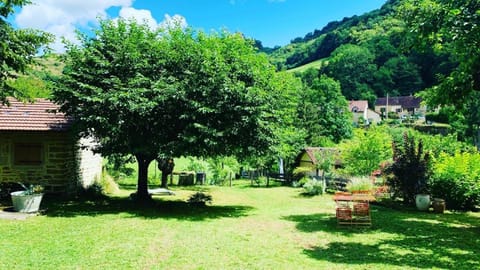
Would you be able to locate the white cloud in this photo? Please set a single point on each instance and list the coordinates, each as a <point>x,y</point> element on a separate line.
<point>140,15</point>
<point>173,21</point>
<point>62,17</point>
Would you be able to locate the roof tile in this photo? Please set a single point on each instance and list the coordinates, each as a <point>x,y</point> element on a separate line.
<point>37,116</point>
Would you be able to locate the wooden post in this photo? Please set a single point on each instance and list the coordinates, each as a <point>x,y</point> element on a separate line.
<point>268,179</point>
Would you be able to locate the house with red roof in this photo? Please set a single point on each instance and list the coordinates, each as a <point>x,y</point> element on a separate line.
<point>37,146</point>
<point>362,114</point>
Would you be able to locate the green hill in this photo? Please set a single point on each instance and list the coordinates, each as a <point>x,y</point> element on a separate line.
<point>317,64</point>
<point>321,43</point>
<point>36,82</point>
<point>366,55</point>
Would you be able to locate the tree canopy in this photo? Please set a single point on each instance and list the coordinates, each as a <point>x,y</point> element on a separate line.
<point>18,48</point>
<point>450,26</point>
<point>323,112</point>
<point>169,92</point>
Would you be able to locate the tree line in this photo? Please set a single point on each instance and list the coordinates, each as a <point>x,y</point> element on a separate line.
<point>162,93</point>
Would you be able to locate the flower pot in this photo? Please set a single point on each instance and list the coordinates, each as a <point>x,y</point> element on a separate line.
<point>438,205</point>
<point>26,203</point>
<point>422,201</point>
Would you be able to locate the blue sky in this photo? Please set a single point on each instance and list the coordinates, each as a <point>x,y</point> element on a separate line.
<point>274,22</point>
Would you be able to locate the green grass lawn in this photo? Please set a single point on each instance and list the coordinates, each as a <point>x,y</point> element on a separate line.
<point>245,228</point>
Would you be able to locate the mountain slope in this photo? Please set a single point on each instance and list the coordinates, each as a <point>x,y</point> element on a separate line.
<point>366,55</point>
<point>321,43</point>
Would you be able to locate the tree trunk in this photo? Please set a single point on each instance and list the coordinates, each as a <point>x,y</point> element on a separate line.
<point>164,183</point>
<point>324,183</point>
<point>165,165</point>
<point>142,184</point>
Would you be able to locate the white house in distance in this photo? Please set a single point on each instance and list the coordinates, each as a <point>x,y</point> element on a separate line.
<point>404,105</point>
<point>360,110</point>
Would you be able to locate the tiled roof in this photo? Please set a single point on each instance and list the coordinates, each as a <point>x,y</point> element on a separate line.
<point>312,151</point>
<point>405,102</point>
<point>360,105</point>
<point>37,116</point>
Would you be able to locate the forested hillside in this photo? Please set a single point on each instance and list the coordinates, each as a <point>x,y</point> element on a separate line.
<point>366,54</point>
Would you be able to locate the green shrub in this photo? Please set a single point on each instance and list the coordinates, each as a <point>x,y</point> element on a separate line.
<point>93,192</point>
<point>313,187</point>
<point>222,169</point>
<point>437,117</point>
<point>301,175</point>
<point>457,180</point>
<point>360,184</point>
<point>200,199</point>
<point>393,115</point>
<point>364,153</point>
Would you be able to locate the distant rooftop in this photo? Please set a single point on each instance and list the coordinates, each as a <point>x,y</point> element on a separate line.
<point>37,116</point>
<point>358,105</point>
<point>405,101</point>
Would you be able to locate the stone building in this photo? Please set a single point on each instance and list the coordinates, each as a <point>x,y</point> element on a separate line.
<point>38,147</point>
<point>401,106</point>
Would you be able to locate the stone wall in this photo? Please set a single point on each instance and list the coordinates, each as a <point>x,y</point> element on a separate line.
<point>66,165</point>
<point>56,173</point>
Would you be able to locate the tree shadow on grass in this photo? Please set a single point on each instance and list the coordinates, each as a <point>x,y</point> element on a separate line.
<point>404,239</point>
<point>157,209</point>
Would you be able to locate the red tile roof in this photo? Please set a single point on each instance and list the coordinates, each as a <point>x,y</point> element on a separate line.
<point>37,116</point>
<point>360,105</point>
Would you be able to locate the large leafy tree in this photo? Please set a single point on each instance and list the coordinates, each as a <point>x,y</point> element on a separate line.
<point>18,48</point>
<point>453,27</point>
<point>450,27</point>
<point>290,137</point>
<point>353,66</point>
<point>168,92</point>
<point>323,112</point>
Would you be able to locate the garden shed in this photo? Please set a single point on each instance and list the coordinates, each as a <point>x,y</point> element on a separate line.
<point>37,146</point>
<point>308,158</point>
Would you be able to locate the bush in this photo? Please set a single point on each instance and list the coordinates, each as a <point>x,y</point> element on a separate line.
<point>93,192</point>
<point>301,175</point>
<point>360,184</point>
<point>222,168</point>
<point>457,180</point>
<point>437,117</point>
<point>313,187</point>
<point>364,153</point>
<point>200,199</point>
<point>410,170</point>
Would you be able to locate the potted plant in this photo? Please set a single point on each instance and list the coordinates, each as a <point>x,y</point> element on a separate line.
<point>28,200</point>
